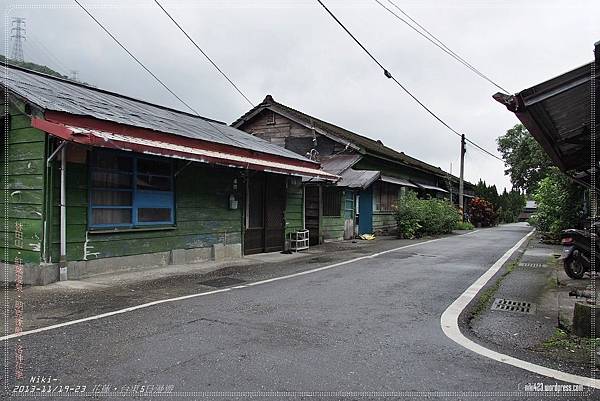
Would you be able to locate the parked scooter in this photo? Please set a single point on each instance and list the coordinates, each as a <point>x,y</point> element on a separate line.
<point>576,255</point>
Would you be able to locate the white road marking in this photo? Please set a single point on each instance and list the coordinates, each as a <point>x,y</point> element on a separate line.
<point>449,322</point>
<point>162,301</point>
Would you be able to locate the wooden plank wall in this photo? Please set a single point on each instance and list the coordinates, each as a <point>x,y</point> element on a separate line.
<point>25,179</point>
<point>202,215</point>
<point>280,129</point>
<point>332,227</point>
<point>294,210</point>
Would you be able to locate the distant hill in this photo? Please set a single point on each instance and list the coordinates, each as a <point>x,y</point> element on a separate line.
<point>32,66</point>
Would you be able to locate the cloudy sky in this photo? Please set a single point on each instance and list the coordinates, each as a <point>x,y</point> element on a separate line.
<point>294,51</point>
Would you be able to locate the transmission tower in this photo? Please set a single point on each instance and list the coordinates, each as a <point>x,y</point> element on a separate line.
<point>18,35</point>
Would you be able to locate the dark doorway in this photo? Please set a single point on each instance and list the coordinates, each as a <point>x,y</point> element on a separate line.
<point>265,208</point>
<point>312,212</point>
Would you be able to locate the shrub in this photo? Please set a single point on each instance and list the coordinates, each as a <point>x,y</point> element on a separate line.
<point>482,213</point>
<point>417,217</point>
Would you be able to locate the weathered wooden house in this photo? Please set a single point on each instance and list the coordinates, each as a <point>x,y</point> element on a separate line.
<point>372,175</point>
<point>96,181</point>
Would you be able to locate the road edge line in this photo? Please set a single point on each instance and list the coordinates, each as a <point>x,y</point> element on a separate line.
<point>450,327</point>
<point>201,294</point>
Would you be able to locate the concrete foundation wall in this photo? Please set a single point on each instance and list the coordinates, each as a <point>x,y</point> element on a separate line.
<point>44,274</point>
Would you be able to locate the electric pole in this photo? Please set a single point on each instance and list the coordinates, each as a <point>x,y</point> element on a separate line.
<point>18,35</point>
<point>461,184</point>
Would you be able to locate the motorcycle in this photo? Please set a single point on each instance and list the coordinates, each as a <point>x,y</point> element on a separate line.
<point>576,254</point>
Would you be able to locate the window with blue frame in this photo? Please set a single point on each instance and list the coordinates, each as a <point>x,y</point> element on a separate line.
<point>129,191</point>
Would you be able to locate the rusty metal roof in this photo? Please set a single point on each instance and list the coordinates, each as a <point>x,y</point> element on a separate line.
<point>57,94</point>
<point>155,145</point>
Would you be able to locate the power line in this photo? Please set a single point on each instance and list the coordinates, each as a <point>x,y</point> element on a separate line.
<point>204,53</point>
<point>389,75</point>
<point>156,78</point>
<point>136,59</point>
<point>437,42</point>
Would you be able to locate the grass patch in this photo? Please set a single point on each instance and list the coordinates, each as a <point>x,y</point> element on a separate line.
<point>562,340</point>
<point>485,299</point>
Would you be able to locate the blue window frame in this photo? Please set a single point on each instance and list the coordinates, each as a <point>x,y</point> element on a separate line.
<point>128,191</point>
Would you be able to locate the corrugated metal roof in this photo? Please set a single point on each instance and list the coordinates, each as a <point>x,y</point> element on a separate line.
<point>357,178</point>
<point>170,149</point>
<point>557,113</point>
<point>430,187</point>
<point>51,93</point>
<point>397,181</point>
<point>336,164</point>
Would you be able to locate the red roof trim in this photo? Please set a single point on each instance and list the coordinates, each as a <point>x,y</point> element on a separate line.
<point>165,146</point>
<point>138,132</point>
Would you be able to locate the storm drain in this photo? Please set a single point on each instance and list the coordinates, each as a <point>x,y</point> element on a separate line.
<point>532,265</point>
<point>222,282</point>
<point>513,306</point>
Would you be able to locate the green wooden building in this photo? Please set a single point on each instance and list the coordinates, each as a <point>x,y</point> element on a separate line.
<point>96,181</point>
<point>373,175</point>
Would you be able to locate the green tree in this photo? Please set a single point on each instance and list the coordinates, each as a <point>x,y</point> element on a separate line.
<point>526,162</point>
<point>510,205</point>
<point>558,203</point>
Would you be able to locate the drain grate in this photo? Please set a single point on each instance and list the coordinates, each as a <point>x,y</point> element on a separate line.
<point>535,265</point>
<point>513,306</point>
<point>222,282</point>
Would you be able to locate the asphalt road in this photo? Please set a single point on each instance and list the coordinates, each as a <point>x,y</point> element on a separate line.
<point>368,326</point>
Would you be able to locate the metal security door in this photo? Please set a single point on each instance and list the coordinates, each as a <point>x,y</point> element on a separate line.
<point>254,236</point>
<point>312,212</point>
<point>275,196</point>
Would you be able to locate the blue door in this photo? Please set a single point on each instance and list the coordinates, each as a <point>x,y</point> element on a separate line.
<point>365,211</point>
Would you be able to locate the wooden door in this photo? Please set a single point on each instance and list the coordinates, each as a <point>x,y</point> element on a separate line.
<point>265,214</point>
<point>312,212</point>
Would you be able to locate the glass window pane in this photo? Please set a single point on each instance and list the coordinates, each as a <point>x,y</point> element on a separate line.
<point>104,179</point>
<point>148,215</point>
<point>111,216</point>
<point>113,161</point>
<point>153,167</point>
<point>153,183</point>
<point>111,198</point>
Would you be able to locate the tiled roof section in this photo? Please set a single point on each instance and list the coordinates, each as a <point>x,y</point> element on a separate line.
<point>369,145</point>
<point>56,94</point>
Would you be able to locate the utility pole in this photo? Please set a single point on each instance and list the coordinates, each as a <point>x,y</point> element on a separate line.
<point>461,184</point>
<point>18,35</point>
<point>450,185</point>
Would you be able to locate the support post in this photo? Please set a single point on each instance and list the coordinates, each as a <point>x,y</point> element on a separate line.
<point>63,214</point>
<point>462,172</point>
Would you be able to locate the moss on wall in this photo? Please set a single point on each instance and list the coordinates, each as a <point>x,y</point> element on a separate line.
<point>22,186</point>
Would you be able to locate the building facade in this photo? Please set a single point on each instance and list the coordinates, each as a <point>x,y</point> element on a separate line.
<point>373,176</point>
<point>96,181</point>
